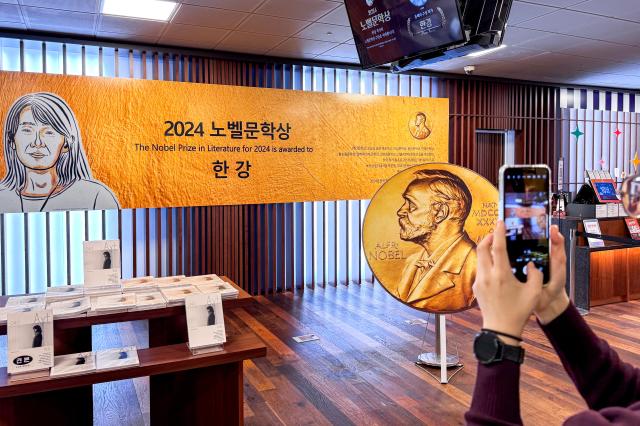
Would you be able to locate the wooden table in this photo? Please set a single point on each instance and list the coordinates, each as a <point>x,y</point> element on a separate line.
<point>200,389</point>
<point>184,389</point>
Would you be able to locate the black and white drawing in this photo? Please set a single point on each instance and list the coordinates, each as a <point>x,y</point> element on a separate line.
<point>46,165</point>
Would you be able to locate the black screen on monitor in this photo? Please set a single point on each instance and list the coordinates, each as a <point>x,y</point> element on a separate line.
<point>388,30</point>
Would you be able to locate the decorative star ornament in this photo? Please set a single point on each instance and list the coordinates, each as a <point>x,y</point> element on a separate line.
<point>577,133</point>
<point>617,133</point>
<point>636,161</point>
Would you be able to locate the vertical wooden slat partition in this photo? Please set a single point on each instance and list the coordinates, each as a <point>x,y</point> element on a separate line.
<point>271,248</point>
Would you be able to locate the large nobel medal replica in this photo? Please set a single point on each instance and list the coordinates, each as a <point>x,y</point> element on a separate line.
<point>420,234</point>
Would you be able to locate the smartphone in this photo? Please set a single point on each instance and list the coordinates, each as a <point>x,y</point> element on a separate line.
<point>524,208</point>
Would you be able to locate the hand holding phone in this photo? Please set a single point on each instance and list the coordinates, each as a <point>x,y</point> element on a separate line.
<point>524,208</point>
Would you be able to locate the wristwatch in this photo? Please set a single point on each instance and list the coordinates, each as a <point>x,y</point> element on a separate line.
<point>489,349</point>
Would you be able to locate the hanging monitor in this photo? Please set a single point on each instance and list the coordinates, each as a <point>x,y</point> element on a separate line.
<point>389,30</point>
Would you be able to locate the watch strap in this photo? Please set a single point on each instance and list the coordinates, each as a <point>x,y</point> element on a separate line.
<point>513,353</point>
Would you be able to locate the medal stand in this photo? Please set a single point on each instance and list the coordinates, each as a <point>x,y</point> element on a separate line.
<point>439,358</point>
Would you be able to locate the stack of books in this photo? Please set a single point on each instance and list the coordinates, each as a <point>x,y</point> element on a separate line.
<point>70,308</point>
<point>215,284</point>
<point>112,304</point>
<point>175,295</point>
<point>65,292</point>
<point>73,364</point>
<point>29,344</point>
<point>170,282</point>
<point>149,300</point>
<point>139,284</point>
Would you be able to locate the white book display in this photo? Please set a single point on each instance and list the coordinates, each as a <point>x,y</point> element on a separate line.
<point>64,292</point>
<point>149,300</point>
<point>35,299</point>
<point>139,284</point>
<point>73,364</point>
<point>169,282</point>
<point>70,308</point>
<point>205,322</point>
<point>30,344</point>
<point>226,290</point>
<point>175,295</point>
<point>113,359</point>
<point>113,303</point>
<point>101,264</point>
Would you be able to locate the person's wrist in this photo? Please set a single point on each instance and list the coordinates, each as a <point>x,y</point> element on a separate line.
<point>501,330</point>
<point>554,309</point>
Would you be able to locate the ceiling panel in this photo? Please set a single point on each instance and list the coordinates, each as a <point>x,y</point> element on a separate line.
<point>273,25</point>
<point>208,17</point>
<point>299,45</point>
<point>337,16</point>
<point>240,5</point>
<point>90,6</point>
<point>343,51</point>
<point>116,24</point>
<point>521,12</point>
<point>326,32</point>
<point>309,10</point>
<point>209,36</point>
<point>60,20</point>
<point>10,13</point>
<point>621,9</point>
<point>252,42</point>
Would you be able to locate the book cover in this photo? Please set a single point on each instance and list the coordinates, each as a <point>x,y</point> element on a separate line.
<point>592,226</point>
<point>101,262</point>
<point>168,282</point>
<point>73,364</point>
<point>149,300</point>
<point>30,341</point>
<point>111,359</point>
<point>205,320</point>
<point>177,295</point>
<point>633,227</point>
<point>70,308</point>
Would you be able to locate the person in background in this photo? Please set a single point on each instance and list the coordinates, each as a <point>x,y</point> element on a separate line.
<point>610,387</point>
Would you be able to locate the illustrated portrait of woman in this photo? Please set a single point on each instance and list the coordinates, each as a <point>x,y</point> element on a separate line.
<point>107,260</point>
<point>46,166</point>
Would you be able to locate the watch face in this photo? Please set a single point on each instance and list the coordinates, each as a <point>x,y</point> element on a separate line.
<point>486,347</point>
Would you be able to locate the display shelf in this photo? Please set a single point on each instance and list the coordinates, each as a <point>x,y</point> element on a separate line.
<point>153,361</point>
<point>243,299</point>
<point>184,388</point>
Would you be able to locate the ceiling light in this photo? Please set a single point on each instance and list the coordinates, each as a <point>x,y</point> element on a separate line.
<point>486,51</point>
<point>144,9</point>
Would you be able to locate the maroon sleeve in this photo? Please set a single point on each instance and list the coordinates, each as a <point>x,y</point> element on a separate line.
<point>496,396</point>
<point>608,416</point>
<point>597,371</point>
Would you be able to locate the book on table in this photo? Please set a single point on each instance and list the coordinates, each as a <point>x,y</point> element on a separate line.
<point>205,322</point>
<point>121,302</point>
<point>29,344</point>
<point>149,300</point>
<point>73,364</point>
<point>101,263</point>
<point>55,294</point>
<point>175,296</point>
<point>113,359</point>
<point>70,308</point>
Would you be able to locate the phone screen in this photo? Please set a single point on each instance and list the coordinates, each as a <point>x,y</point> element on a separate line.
<point>526,218</point>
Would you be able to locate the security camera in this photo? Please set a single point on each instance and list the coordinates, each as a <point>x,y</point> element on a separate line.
<point>469,69</point>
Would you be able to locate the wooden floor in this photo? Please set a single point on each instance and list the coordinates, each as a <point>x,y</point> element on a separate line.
<point>361,371</point>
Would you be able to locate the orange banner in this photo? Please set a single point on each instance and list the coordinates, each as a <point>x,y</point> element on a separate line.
<point>100,143</point>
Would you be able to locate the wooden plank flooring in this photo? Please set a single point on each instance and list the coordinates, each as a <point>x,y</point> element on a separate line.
<point>361,371</point>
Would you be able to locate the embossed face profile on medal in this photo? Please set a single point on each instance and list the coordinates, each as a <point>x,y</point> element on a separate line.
<point>420,234</point>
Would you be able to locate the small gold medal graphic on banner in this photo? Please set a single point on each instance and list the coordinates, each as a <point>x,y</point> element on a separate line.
<point>420,234</point>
